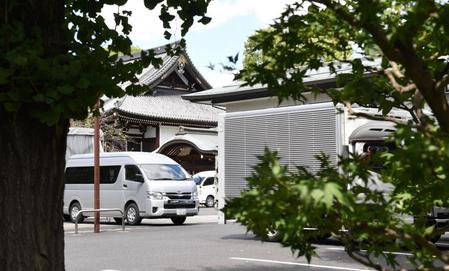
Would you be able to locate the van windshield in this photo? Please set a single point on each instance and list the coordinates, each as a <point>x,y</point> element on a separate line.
<point>197,179</point>
<point>160,172</point>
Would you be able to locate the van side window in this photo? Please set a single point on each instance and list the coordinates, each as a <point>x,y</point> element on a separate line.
<point>85,175</point>
<point>209,181</point>
<point>79,175</point>
<point>133,173</point>
<point>109,174</point>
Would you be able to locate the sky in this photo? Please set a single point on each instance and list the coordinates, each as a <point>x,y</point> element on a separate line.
<point>233,21</point>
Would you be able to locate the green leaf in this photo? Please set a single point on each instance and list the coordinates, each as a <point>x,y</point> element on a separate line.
<point>205,20</point>
<point>151,4</point>
<point>65,89</point>
<point>4,75</point>
<point>167,35</point>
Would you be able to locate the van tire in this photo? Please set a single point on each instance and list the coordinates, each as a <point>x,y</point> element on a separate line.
<point>272,235</point>
<point>132,214</point>
<point>178,220</point>
<point>74,208</point>
<point>434,239</point>
<point>210,201</point>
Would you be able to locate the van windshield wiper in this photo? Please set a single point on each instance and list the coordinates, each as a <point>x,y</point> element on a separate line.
<point>169,179</point>
<point>162,179</point>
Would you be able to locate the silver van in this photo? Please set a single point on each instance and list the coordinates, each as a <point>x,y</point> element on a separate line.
<point>143,185</point>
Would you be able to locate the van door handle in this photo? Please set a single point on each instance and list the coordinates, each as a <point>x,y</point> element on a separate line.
<point>125,185</point>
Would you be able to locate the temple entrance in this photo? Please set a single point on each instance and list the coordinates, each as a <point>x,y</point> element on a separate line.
<point>189,156</point>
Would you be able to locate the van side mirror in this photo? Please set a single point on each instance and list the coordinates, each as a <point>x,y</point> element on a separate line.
<point>139,178</point>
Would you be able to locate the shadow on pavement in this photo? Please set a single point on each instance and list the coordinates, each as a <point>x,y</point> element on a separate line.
<point>242,236</point>
<point>252,267</point>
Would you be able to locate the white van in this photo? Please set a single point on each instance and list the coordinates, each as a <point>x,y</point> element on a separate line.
<point>143,185</point>
<point>207,187</point>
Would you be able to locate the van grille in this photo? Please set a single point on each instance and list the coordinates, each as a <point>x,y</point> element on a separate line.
<point>179,205</point>
<point>185,195</point>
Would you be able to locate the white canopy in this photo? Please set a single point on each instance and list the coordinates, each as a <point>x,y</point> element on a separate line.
<point>81,140</point>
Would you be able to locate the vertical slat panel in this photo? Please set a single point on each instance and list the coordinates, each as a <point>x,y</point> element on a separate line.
<point>298,136</point>
<point>234,152</point>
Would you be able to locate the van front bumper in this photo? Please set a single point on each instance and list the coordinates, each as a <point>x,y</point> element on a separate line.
<point>171,208</point>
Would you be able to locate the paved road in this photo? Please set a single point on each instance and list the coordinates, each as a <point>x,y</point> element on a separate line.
<point>200,244</point>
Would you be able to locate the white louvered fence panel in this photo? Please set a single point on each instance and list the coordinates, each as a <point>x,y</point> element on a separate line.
<point>297,135</point>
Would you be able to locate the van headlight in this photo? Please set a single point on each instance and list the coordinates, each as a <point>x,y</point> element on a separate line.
<point>194,195</point>
<point>155,195</point>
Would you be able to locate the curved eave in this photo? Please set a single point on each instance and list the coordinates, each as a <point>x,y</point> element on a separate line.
<point>188,142</point>
<point>155,120</point>
<point>190,67</point>
<point>196,74</point>
<point>165,71</point>
<point>157,51</point>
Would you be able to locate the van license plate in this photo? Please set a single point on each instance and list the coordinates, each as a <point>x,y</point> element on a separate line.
<point>181,211</point>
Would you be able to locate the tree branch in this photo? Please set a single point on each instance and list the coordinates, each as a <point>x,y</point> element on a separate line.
<point>396,69</point>
<point>374,29</point>
<point>410,111</point>
<point>354,253</point>
<point>441,84</point>
<point>417,106</point>
<point>364,259</point>
<point>373,117</point>
<point>390,73</point>
<point>416,19</point>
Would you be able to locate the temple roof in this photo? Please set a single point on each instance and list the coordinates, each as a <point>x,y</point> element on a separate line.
<point>152,76</point>
<point>165,105</point>
<point>166,109</point>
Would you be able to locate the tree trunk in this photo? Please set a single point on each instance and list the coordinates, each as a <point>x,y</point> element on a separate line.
<point>32,160</point>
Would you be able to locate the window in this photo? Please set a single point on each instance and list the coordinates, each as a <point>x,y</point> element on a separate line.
<point>209,181</point>
<point>109,174</point>
<point>197,179</point>
<point>79,175</point>
<point>133,173</point>
<point>161,172</point>
<point>85,175</point>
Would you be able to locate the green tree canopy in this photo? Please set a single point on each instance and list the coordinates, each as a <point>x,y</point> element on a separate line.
<point>57,59</point>
<point>399,61</point>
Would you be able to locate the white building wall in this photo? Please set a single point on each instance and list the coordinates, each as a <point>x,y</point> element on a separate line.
<point>220,168</point>
<point>167,132</point>
<point>271,102</point>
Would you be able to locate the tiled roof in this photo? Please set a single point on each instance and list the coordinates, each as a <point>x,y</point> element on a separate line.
<point>168,107</point>
<point>151,76</point>
<point>238,90</point>
<point>160,107</point>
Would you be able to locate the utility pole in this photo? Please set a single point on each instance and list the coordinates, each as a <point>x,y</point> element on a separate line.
<point>97,167</point>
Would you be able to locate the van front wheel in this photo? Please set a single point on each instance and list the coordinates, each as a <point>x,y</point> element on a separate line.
<point>73,211</point>
<point>132,214</point>
<point>210,201</point>
<point>178,220</point>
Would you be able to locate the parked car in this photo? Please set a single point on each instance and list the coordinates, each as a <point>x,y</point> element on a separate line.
<point>207,187</point>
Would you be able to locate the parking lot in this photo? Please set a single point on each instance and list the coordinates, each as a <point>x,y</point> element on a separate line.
<point>199,244</point>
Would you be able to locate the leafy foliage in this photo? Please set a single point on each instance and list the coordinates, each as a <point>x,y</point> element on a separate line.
<point>376,209</point>
<point>314,37</point>
<point>383,54</point>
<point>57,59</point>
<point>63,83</point>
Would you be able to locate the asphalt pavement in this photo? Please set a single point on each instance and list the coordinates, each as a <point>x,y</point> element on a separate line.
<point>200,244</point>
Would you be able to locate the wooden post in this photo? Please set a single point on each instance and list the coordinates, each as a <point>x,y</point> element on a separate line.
<point>97,169</point>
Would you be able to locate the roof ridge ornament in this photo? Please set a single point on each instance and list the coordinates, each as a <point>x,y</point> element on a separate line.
<point>182,61</point>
